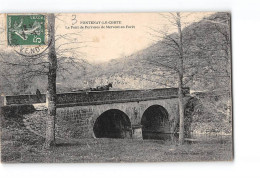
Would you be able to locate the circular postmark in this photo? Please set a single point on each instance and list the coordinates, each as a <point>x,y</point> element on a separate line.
<point>31,51</point>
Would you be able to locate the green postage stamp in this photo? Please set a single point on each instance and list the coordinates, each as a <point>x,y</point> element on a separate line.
<point>26,29</point>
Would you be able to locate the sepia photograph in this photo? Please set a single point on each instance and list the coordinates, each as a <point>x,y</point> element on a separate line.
<point>116,87</point>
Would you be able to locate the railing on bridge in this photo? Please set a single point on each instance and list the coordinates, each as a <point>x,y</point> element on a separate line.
<point>99,97</point>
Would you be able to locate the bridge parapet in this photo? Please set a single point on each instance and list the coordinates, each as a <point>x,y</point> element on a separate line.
<point>24,99</point>
<point>99,97</point>
<point>103,97</point>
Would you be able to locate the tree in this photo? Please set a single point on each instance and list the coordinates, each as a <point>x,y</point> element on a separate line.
<point>51,91</point>
<point>185,54</point>
<point>57,58</point>
<point>199,56</point>
<point>180,80</point>
<point>173,60</point>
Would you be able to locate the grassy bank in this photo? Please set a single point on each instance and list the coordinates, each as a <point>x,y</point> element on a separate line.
<point>20,145</point>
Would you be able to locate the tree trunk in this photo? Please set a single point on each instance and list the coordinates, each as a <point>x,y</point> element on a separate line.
<point>181,110</point>
<point>51,92</point>
<point>180,82</point>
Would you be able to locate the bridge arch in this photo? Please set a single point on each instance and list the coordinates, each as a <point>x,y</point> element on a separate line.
<point>155,123</point>
<point>112,123</point>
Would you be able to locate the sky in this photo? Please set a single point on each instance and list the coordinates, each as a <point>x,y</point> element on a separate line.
<point>103,44</point>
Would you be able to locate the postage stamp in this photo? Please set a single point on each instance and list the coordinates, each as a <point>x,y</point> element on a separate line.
<point>26,29</point>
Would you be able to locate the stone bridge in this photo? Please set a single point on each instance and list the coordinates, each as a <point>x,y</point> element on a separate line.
<point>140,114</point>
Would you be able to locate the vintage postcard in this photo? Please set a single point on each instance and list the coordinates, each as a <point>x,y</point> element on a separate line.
<point>116,87</point>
